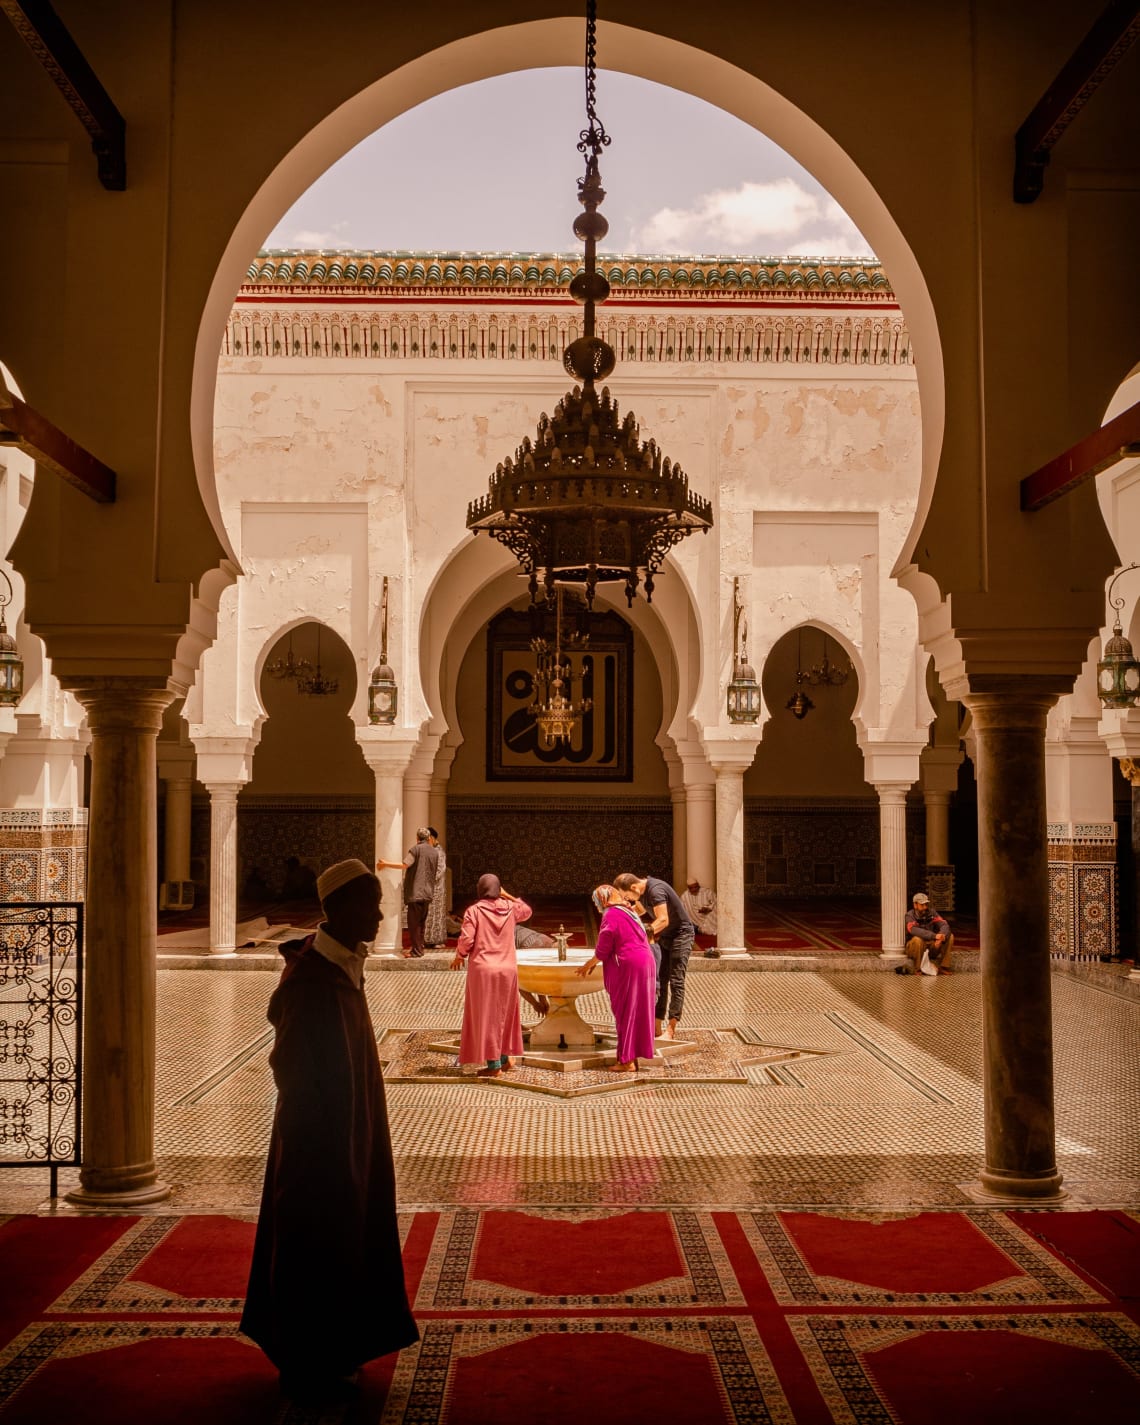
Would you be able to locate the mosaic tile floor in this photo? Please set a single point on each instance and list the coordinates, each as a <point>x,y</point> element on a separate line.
<point>871,1100</point>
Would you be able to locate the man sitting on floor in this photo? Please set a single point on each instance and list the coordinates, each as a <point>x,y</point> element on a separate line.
<point>928,940</point>
<point>700,902</point>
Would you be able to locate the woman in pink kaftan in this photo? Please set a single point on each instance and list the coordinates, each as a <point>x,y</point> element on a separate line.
<point>492,1030</point>
<point>630,975</point>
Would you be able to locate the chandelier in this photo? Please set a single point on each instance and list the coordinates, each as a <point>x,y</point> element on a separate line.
<point>587,501</point>
<point>289,667</point>
<point>557,716</point>
<point>314,683</point>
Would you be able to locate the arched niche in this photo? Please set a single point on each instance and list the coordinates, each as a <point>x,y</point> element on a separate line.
<point>816,756</point>
<point>307,746</point>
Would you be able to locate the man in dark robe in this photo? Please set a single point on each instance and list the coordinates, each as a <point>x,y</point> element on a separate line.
<point>326,1286</point>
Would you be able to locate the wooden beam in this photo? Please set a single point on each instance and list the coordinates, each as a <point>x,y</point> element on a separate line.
<point>1116,440</point>
<point>22,428</point>
<point>50,41</point>
<point>1094,59</point>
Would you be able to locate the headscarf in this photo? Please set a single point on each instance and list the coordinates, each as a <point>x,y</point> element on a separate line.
<point>488,887</point>
<point>600,895</point>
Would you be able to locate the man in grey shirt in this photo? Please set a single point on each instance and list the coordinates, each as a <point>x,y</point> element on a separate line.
<point>420,867</point>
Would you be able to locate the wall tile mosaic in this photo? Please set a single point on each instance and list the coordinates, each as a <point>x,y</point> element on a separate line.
<point>1083,892</point>
<point>43,854</point>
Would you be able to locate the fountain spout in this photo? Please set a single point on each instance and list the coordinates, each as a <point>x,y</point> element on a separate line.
<point>561,940</point>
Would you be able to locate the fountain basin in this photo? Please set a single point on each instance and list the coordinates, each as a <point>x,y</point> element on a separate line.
<point>542,973</point>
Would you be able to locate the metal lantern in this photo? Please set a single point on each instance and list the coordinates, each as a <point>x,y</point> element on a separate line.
<point>383,694</point>
<point>744,690</point>
<point>744,695</point>
<point>11,664</point>
<point>1118,672</point>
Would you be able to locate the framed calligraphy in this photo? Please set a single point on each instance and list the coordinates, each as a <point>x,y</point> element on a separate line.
<point>602,750</point>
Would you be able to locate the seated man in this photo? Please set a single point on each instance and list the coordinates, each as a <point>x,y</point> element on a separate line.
<point>700,902</point>
<point>926,932</point>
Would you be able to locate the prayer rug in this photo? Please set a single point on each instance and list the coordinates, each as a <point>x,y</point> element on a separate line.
<point>722,1318</point>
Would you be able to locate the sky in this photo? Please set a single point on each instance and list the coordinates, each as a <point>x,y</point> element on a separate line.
<point>493,167</point>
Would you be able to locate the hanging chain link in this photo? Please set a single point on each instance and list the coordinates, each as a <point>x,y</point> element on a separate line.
<point>594,138</point>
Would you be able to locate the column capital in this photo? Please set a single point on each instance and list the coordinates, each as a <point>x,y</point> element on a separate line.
<point>388,751</point>
<point>226,759</point>
<point>892,793</point>
<point>223,791</point>
<point>1022,704</point>
<point>939,769</point>
<point>1120,730</point>
<point>123,703</point>
<point>730,754</point>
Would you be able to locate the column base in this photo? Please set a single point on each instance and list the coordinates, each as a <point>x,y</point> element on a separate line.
<point>128,1188</point>
<point>1016,1187</point>
<point>223,950</point>
<point>898,956</point>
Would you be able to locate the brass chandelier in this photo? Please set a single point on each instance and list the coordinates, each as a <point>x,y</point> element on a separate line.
<point>558,716</point>
<point>587,501</point>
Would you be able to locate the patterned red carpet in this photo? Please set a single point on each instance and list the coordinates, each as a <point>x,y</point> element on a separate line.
<point>814,927</point>
<point>989,1317</point>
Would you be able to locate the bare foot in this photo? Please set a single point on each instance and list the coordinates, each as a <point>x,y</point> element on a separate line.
<point>630,1068</point>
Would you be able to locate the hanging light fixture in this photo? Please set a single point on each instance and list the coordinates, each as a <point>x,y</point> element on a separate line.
<point>11,664</point>
<point>315,684</point>
<point>1118,672</point>
<point>587,501</point>
<point>289,667</point>
<point>382,691</point>
<point>744,690</point>
<point>558,716</point>
<point>799,704</point>
<point>825,673</point>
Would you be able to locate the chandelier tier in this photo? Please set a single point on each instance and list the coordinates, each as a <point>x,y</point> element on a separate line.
<point>558,716</point>
<point>587,501</point>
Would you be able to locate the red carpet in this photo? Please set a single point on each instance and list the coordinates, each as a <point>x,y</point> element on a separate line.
<point>797,927</point>
<point>992,1317</point>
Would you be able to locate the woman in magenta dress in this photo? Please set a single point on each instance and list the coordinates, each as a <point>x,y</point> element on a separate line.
<point>492,1030</point>
<point>630,975</point>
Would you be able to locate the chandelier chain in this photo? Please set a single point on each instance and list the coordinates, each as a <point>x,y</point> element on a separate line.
<point>594,138</point>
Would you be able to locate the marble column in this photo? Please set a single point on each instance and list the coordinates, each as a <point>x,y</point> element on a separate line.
<point>1013,893</point>
<point>937,828</point>
<point>223,866</point>
<point>389,755</point>
<point>700,833</point>
<point>679,800</point>
<point>124,716</point>
<point>417,801</point>
<point>176,859</point>
<point>892,865</point>
<point>730,759</point>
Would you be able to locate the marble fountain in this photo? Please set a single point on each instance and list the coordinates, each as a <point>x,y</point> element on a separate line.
<point>563,1039</point>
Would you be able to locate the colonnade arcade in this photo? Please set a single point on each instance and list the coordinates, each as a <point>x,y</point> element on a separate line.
<point>127,596</point>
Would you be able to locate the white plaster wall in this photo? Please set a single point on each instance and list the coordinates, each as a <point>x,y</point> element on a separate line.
<point>332,477</point>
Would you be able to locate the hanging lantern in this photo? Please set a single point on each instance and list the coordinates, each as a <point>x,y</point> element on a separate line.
<point>383,695</point>
<point>1118,672</point>
<point>743,690</point>
<point>11,664</point>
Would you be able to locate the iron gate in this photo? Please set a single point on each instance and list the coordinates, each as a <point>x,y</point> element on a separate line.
<point>41,1050</point>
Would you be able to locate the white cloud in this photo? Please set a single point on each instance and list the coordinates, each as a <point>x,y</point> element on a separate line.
<point>776,219</point>
<point>308,238</point>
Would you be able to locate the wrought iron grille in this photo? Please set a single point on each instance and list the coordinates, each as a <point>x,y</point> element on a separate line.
<point>41,1006</point>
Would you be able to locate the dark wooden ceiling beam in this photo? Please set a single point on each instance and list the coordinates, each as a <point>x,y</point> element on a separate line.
<point>50,41</point>
<point>1097,55</point>
<point>22,428</point>
<point>1118,439</point>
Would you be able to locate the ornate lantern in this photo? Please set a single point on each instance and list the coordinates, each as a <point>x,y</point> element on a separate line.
<point>383,695</point>
<point>1118,672</point>
<point>11,664</point>
<point>744,690</point>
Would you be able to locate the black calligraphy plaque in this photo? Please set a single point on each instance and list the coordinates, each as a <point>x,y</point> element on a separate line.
<point>602,749</point>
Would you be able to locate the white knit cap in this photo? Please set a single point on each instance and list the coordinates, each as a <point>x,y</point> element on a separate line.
<point>339,875</point>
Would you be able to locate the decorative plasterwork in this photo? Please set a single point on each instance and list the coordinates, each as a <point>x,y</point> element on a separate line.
<point>480,334</point>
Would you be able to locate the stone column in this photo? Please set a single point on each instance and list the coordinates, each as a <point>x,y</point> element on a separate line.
<point>700,834</point>
<point>892,865</point>
<point>223,866</point>
<point>124,716</point>
<point>1013,893</point>
<point>730,758</point>
<point>679,799</point>
<point>388,751</point>
<point>177,829</point>
<point>416,799</point>
<point>939,771</point>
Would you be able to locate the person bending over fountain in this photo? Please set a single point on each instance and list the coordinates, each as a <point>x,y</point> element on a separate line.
<point>492,1029</point>
<point>629,971</point>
